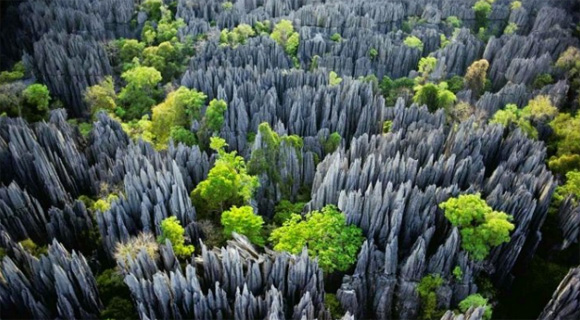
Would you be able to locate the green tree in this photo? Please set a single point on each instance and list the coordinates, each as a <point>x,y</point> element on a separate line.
<point>476,75</point>
<point>101,96</point>
<point>476,300</point>
<point>512,116</point>
<point>242,220</point>
<point>215,115</point>
<point>511,28</point>
<point>227,183</point>
<point>153,9</point>
<point>391,90</point>
<point>413,42</point>
<point>427,290</point>
<point>285,209</point>
<point>542,80</point>
<point>434,96</point>
<point>237,35</point>
<point>332,143</point>
<point>426,66</point>
<point>286,37</point>
<point>334,79</point>
<point>114,294</point>
<point>481,227</point>
<point>17,73</point>
<point>515,5</point>
<point>36,99</point>
<point>540,109</point>
<point>326,236</point>
<point>482,9</point>
<point>454,21</point>
<point>570,188</point>
<point>336,37</point>
<point>182,135</point>
<point>455,84</point>
<point>172,230</point>
<point>130,49</point>
<point>138,96</point>
<point>373,53</point>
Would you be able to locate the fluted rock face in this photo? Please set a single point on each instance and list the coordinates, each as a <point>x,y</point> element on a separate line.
<point>58,284</point>
<point>231,282</point>
<point>471,314</point>
<point>390,186</point>
<point>569,222</point>
<point>565,303</point>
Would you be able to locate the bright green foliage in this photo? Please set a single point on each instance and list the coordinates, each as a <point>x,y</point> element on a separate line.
<point>326,235</point>
<point>476,75</point>
<point>540,109</point>
<point>564,163</point>
<point>515,5</point>
<point>336,37</point>
<point>166,58</point>
<point>139,129</point>
<point>130,49</point>
<point>454,21</point>
<point>570,188</point>
<point>391,90</point>
<point>427,289</point>
<point>480,227</point>
<point>567,134</point>
<point>426,66</point>
<point>172,230</point>
<point>167,27</point>
<point>17,73</point>
<point>334,79</point>
<point>476,300</point>
<point>511,115</point>
<point>286,37</point>
<point>511,28</point>
<point>332,143</point>
<point>434,96</point>
<point>138,95</point>
<point>227,183</point>
<point>36,100</point>
<point>152,8</point>
<point>285,209</point>
<point>387,125</point>
<point>482,10</point>
<point>214,115</point>
<point>33,248</point>
<point>182,135</point>
<point>373,53</point>
<point>178,108</point>
<point>413,42</point>
<point>101,96</point>
<point>542,80</point>
<point>458,273</point>
<point>443,41</point>
<point>242,220</point>
<point>237,35</point>
<point>227,5</point>
<point>455,84</point>
<point>104,204</point>
<point>262,27</point>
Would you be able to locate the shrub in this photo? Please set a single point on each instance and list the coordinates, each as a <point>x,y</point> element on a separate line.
<point>214,115</point>
<point>332,143</point>
<point>455,84</point>
<point>101,96</point>
<point>427,289</point>
<point>285,209</point>
<point>413,42</point>
<point>104,204</point>
<point>326,235</point>
<point>182,135</point>
<point>286,37</point>
<point>434,96</point>
<point>242,220</point>
<point>227,5</point>
<point>458,273</point>
<point>476,300</point>
<point>454,21</point>
<point>480,227</point>
<point>426,66</point>
<point>564,163</point>
<point>391,90</point>
<point>515,5</point>
<point>332,304</point>
<point>139,93</point>
<point>114,294</point>
<point>511,115</point>
<point>334,79</point>
<point>336,37</point>
<point>142,242</point>
<point>36,100</point>
<point>482,10</point>
<point>511,28</point>
<point>387,125</point>
<point>172,230</point>
<point>476,75</point>
<point>17,73</point>
<point>373,53</point>
<point>542,80</point>
<point>33,248</point>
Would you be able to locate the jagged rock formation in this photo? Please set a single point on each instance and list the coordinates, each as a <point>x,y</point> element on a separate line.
<point>232,282</point>
<point>390,187</point>
<point>565,303</point>
<point>58,284</point>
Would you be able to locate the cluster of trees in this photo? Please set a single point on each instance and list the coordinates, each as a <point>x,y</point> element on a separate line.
<point>284,34</point>
<point>30,102</point>
<point>481,227</point>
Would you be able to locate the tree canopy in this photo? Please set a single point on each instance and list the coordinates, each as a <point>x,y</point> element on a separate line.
<point>326,236</point>
<point>172,230</point>
<point>244,221</point>
<point>481,227</point>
